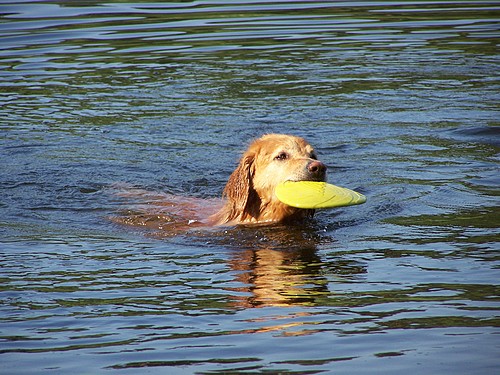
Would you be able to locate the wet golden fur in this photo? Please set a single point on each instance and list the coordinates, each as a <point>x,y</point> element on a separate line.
<point>268,161</point>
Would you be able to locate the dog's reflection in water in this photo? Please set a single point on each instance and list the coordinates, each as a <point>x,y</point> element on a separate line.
<point>280,266</point>
<point>278,277</point>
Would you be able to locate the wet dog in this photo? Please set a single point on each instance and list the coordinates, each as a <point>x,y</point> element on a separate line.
<point>268,161</point>
<point>249,195</point>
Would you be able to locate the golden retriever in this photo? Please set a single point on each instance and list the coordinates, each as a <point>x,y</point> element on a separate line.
<point>248,197</point>
<point>268,161</point>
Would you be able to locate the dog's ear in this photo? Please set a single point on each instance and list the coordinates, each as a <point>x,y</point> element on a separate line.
<point>239,187</point>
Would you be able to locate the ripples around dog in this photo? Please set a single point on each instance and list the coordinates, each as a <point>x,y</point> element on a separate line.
<point>400,100</point>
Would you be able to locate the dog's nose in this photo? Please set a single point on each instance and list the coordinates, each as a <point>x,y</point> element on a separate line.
<point>317,168</point>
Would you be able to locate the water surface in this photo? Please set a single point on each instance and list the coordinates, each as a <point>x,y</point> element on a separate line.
<point>399,98</point>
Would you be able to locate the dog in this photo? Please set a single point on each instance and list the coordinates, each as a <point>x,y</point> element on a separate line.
<point>268,161</point>
<point>248,197</point>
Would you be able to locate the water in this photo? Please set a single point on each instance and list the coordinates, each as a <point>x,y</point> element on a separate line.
<point>399,98</point>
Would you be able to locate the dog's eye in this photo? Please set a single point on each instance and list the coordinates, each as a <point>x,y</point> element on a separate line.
<point>313,156</point>
<point>282,156</point>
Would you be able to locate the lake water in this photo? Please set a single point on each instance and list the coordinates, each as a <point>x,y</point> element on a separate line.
<point>400,98</point>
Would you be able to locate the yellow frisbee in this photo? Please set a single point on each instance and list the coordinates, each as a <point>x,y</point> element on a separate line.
<point>313,194</point>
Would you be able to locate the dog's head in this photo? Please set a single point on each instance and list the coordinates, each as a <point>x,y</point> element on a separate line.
<point>270,160</point>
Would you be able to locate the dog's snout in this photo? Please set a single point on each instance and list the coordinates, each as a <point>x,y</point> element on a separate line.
<point>317,168</point>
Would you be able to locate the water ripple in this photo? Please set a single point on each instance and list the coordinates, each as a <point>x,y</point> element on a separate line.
<point>400,99</point>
